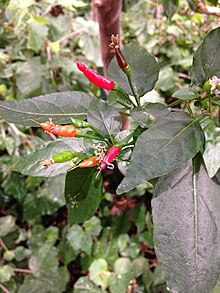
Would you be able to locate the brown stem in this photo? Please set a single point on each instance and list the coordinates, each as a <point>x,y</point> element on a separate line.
<point>4,289</point>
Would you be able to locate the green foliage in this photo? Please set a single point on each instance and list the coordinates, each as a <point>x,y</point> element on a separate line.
<point>108,246</point>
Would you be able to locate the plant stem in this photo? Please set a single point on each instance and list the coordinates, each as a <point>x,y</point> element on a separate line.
<point>174,104</point>
<point>26,271</point>
<point>3,245</point>
<point>133,89</point>
<point>4,289</point>
<point>189,109</point>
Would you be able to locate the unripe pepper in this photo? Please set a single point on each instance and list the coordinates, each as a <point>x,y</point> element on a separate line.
<point>95,77</point>
<point>80,123</point>
<point>62,157</point>
<point>109,157</point>
<point>91,162</point>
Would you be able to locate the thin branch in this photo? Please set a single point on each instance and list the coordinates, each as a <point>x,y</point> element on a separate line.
<point>3,245</point>
<point>70,35</point>
<point>4,289</point>
<point>26,271</point>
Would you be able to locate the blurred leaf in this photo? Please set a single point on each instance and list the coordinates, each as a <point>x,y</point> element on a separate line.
<point>30,77</point>
<point>185,94</point>
<point>144,67</point>
<point>22,253</point>
<point>119,282</point>
<point>82,190</point>
<point>166,145</point>
<point>6,272</point>
<point>123,265</point>
<point>59,106</point>
<point>206,60</point>
<point>211,153</point>
<point>98,272</point>
<point>167,80</point>
<point>36,34</point>
<point>140,265</point>
<point>31,164</point>
<point>170,7</point>
<point>15,186</point>
<point>186,228</point>
<point>122,242</point>
<point>217,287</point>
<point>84,285</point>
<point>79,240</point>
<point>104,117</point>
<point>214,2</point>
<point>7,225</point>
<point>140,216</point>
<point>93,226</point>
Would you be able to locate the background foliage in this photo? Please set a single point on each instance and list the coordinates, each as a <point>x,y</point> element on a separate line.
<point>39,41</point>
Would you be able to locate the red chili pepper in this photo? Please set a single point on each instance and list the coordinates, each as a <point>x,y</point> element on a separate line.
<point>91,162</point>
<point>95,77</point>
<point>109,157</point>
<point>60,130</point>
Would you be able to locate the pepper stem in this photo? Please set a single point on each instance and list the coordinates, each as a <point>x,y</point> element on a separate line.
<point>127,71</point>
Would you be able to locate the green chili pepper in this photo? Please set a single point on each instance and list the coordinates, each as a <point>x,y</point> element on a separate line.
<point>80,123</point>
<point>63,157</point>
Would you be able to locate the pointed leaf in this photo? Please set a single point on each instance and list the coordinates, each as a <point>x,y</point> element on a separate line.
<point>211,153</point>
<point>104,117</point>
<point>186,217</point>
<point>83,193</point>
<point>31,164</point>
<point>165,146</point>
<point>59,106</point>
<point>144,67</point>
<point>206,61</point>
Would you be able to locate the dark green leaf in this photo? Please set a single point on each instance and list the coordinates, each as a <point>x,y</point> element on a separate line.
<point>186,219</point>
<point>185,94</point>
<point>170,7</point>
<point>214,2</point>
<point>165,146</point>
<point>104,117</point>
<point>140,216</point>
<point>149,113</point>
<point>206,61</point>
<point>59,106</point>
<point>211,153</point>
<point>144,67</point>
<point>83,193</point>
<point>15,186</point>
<point>192,4</point>
<point>31,164</point>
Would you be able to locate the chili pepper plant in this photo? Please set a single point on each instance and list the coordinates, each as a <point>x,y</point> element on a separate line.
<point>175,147</point>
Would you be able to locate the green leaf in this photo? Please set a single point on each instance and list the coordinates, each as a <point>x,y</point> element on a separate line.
<point>59,106</point>
<point>147,114</point>
<point>104,117</point>
<point>186,219</point>
<point>192,4</point>
<point>93,226</point>
<point>6,272</point>
<point>79,240</point>
<point>140,265</point>
<point>31,164</point>
<point>30,77</point>
<point>7,225</point>
<point>36,34</point>
<point>123,265</point>
<point>140,216</point>
<point>165,146</point>
<point>15,186</point>
<point>83,193</point>
<point>98,272</point>
<point>170,7</point>
<point>211,153</point>
<point>84,285</point>
<point>144,67</point>
<point>214,2</point>
<point>185,94</point>
<point>118,283</point>
<point>206,60</point>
